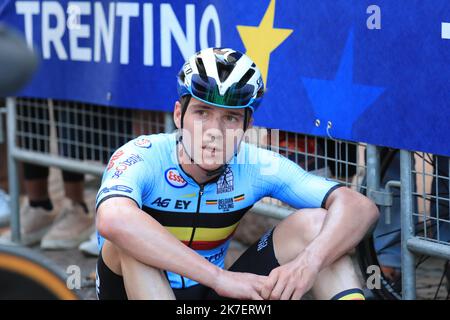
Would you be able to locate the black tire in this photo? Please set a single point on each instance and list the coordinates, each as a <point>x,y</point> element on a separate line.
<point>25,275</point>
<point>365,251</point>
<point>367,256</point>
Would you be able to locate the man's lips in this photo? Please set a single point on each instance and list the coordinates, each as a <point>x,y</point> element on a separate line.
<point>211,148</point>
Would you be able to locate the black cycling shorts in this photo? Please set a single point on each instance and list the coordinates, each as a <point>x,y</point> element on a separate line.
<point>257,259</point>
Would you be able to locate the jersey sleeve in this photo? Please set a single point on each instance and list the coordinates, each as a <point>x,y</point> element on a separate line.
<point>285,180</point>
<point>126,175</point>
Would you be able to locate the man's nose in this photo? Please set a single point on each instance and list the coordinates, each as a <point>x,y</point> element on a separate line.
<point>215,122</point>
<point>214,129</point>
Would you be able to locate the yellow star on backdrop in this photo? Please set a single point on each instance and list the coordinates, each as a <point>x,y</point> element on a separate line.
<point>260,41</point>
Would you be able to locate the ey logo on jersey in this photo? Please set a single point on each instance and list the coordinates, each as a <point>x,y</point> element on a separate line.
<point>143,143</point>
<point>174,178</point>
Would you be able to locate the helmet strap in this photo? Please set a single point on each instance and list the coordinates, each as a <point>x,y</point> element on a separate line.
<point>245,119</point>
<point>184,107</point>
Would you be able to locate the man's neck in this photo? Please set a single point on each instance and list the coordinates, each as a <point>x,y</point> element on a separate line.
<point>199,175</point>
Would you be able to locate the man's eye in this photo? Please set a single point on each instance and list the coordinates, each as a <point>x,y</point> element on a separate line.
<point>201,112</point>
<point>232,118</point>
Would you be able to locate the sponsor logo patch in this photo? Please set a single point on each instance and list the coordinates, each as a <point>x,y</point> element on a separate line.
<point>143,143</point>
<point>179,204</point>
<point>174,178</point>
<point>217,256</point>
<point>119,188</point>
<point>162,202</point>
<point>124,165</point>
<point>226,202</point>
<point>225,182</point>
<point>114,158</point>
<point>264,241</point>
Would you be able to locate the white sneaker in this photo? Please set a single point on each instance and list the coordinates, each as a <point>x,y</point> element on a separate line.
<point>90,247</point>
<point>5,209</point>
<point>34,224</point>
<point>71,228</point>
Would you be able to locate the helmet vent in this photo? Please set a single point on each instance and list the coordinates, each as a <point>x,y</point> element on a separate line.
<point>247,76</point>
<point>181,76</point>
<point>201,68</point>
<point>224,70</point>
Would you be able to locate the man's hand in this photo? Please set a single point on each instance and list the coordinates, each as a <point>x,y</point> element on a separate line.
<point>239,285</point>
<point>291,280</point>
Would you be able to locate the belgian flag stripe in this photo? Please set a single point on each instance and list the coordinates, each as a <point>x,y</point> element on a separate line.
<point>203,220</point>
<point>202,234</point>
<point>207,245</point>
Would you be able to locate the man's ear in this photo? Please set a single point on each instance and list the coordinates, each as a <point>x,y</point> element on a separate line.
<point>177,114</point>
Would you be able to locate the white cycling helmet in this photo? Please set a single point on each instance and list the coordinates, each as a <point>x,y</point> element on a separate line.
<point>222,77</point>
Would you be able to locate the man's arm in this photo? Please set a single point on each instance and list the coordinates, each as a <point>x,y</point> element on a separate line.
<point>142,237</point>
<point>350,215</point>
<point>348,218</point>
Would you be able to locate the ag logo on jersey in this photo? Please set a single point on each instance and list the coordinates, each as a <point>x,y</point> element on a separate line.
<point>143,143</point>
<point>174,178</point>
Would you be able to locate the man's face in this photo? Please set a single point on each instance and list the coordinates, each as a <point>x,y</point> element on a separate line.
<point>211,134</point>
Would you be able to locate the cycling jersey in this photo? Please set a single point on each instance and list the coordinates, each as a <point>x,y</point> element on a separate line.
<point>204,217</point>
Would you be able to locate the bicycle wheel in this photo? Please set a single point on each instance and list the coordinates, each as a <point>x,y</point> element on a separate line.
<point>366,252</point>
<point>27,275</point>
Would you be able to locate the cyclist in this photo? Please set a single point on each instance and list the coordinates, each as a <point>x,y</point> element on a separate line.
<point>170,203</point>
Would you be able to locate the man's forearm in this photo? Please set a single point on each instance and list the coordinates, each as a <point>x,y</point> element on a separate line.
<point>345,225</point>
<point>147,241</point>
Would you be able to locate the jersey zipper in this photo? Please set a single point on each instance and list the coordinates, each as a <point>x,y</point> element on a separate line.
<point>194,222</point>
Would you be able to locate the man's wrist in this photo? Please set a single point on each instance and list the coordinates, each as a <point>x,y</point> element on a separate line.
<point>315,256</point>
<point>215,275</point>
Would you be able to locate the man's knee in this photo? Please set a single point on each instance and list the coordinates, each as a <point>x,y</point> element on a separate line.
<point>305,224</point>
<point>295,232</point>
<point>125,258</point>
<point>130,261</point>
<point>131,267</point>
<point>143,281</point>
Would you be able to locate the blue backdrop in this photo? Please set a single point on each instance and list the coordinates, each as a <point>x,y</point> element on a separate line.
<point>379,74</point>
